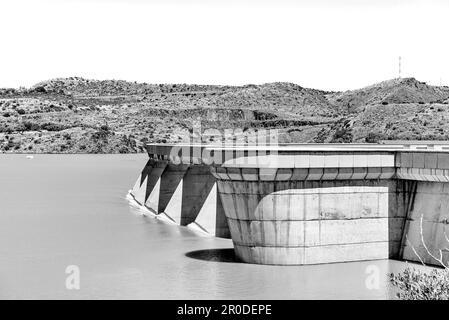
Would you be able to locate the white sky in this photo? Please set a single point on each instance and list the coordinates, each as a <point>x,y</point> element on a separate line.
<point>324,44</point>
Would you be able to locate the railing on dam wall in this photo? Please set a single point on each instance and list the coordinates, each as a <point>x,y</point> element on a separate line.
<point>195,150</point>
<point>304,203</point>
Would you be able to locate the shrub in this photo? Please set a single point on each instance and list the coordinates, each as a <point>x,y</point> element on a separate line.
<point>419,285</point>
<point>20,111</point>
<point>30,126</point>
<point>342,135</point>
<point>101,134</point>
<point>375,137</point>
<point>50,126</point>
<point>40,89</point>
<point>123,149</point>
<point>67,136</point>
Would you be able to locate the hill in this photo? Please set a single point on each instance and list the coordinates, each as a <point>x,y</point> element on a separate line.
<point>396,91</point>
<point>79,115</point>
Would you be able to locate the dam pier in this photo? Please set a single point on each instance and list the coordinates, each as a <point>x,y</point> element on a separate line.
<point>306,203</point>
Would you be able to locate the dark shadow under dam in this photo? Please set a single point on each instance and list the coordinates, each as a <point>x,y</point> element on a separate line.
<point>218,255</point>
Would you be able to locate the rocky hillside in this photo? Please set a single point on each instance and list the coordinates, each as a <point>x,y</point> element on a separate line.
<point>396,91</point>
<point>77,115</point>
<point>398,109</point>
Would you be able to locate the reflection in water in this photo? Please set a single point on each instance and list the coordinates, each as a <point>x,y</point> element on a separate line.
<point>60,210</point>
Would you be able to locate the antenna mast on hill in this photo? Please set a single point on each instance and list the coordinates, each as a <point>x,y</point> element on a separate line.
<point>399,67</point>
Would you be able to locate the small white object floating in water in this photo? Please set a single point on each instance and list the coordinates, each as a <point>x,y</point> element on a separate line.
<point>30,157</point>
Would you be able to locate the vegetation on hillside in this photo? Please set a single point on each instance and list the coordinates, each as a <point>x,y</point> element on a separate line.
<point>76,115</point>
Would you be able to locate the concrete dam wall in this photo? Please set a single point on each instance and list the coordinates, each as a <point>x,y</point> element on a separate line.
<point>305,204</point>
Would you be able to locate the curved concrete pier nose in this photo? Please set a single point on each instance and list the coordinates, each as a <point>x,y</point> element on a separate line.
<point>307,208</point>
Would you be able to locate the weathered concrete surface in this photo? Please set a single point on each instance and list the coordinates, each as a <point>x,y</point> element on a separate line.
<point>170,179</point>
<point>184,194</point>
<point>217,224</point>
<point>140,190</point>
<point>197,184</point>
<point>310,255</point>
<point>306,204</point>
<point>431,204</point>
<point>303,222</point>
<point>423,166</point>
<point>153,185</point>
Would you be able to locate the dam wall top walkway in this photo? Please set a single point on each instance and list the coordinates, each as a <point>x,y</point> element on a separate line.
<point>421,162</point>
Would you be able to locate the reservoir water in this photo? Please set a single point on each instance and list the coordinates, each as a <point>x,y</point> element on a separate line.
<point>63,210</point>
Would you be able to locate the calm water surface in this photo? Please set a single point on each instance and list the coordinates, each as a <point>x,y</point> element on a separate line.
<point>60,210</point>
